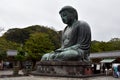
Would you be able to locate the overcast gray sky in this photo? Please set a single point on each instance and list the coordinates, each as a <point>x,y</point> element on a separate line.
<point>103,16</point>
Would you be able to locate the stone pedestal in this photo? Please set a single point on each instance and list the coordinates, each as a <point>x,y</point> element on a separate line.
<point>62,68</point>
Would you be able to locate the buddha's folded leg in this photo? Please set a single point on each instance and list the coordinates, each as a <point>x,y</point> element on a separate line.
<point>45,57</point>
<point>49,56</point>
<point>69,55</point>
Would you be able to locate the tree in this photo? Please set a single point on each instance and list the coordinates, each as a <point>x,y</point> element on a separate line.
<point>6,44</point>
<point>17,35</point>
<point>53,35</point>
<point>3,55</point>
<point>37,45</point>
<point>20,55</point>
<point>94,46</point>
<point>115,42</point>
<point>21,35</point>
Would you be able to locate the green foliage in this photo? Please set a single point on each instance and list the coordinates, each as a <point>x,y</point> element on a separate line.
<point>53,35</point>
<point>95,46</point>
<point>3,55</point>
<point>38,44</point>
<point>6,45</point>
<point>20,55</point>
<point>38,40</point>
<point>21,35</point>
<point>113,44</point>
<point>17,35</point>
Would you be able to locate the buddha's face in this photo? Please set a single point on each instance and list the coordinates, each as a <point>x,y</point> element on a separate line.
<point>67,17</point>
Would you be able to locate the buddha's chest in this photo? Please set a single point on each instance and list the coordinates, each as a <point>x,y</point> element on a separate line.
<point>67,35</point>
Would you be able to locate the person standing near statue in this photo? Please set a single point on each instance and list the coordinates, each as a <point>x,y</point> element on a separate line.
<point>76,39</point>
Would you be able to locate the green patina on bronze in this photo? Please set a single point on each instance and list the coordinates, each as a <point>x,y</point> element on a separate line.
<point>76,39</point>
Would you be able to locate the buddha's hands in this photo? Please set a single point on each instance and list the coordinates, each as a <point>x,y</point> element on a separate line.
<point>59,50</point>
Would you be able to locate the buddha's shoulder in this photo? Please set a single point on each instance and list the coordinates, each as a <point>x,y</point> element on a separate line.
<point>81,22</point>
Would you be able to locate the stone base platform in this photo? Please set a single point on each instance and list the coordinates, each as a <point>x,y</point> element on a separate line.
<point>63,68</point>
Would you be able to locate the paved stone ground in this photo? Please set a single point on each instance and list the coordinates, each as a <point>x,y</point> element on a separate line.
<point>58,78</point>
<point>8,72</point>
<point>51,78</point>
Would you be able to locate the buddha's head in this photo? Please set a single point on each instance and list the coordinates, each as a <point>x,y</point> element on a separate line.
<point>68,14</point>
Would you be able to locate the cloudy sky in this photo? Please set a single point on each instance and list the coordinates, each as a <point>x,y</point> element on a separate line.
<point>103,16</point>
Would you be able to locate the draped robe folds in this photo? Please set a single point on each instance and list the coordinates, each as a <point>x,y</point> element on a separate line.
<point>76,37</point>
